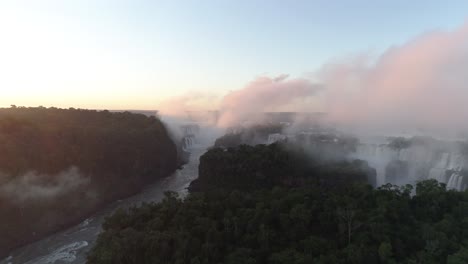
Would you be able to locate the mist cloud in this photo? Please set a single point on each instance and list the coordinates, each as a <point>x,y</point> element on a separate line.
<point>422,83</point>
<point>419,85</point>
<point>33,186</point>
<point>192,101</point>
<point>264,94</point>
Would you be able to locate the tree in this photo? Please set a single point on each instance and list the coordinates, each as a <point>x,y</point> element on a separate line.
<point>385,252</point>
<point>347,215</point>
<point>460,257</point>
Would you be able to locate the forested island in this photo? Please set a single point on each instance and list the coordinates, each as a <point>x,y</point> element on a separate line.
<point>280,164</point>
<point>58,166</point>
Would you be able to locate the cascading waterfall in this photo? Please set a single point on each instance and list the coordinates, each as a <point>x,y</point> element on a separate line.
<point>188,142</point>
<point>272,138</point>
<point>421,162</point>
<point>190,131</point>
<point>445,167</point>
<point>456,182</point>
<point>378,156</point>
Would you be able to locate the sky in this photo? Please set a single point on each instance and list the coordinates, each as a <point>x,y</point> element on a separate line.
<point>133,54</point>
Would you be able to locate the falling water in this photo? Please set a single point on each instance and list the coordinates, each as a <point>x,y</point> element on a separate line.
<point>422,161</point>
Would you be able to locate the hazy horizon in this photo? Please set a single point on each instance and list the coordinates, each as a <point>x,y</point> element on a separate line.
<point>354,61</point>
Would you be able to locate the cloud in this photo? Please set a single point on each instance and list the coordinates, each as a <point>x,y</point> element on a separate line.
<point>419,85</point>
<point>264,94</point>
<point>422,83</point>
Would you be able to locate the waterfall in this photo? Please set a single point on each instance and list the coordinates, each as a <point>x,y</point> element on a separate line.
<point>443,161</point>
<point>188,142</point>
<point>459,182</point>
<point>423,163</point>
<point>189,131</point>
<point>453,181</point>
<point>272,138</point>
<point>456,162</point>
<point>456,182</point>
<point>378,156</point>
<point>418,162</point>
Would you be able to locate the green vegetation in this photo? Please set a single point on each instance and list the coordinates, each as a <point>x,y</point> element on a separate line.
<point>57,166</point>
<point>253,167</point>
<point>293,225</point>
<point>275,204</point>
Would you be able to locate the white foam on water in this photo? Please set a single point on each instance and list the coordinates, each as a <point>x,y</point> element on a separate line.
<point>65,253</point>
<point>86,222</point>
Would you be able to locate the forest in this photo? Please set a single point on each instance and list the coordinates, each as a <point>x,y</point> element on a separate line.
<point>259,204</point>
<point>283,225</point>
<point>265,166</point>
<point>60,165</point>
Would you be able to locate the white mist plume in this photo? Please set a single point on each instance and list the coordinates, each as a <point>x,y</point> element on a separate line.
<point>33,186</point>
<point>422,83</point>
<point>264,94</point>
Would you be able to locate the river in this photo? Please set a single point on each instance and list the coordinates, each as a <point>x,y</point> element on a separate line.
<point>73,244</point>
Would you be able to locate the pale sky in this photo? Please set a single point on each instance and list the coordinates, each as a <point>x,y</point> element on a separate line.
<point>131,54</point>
